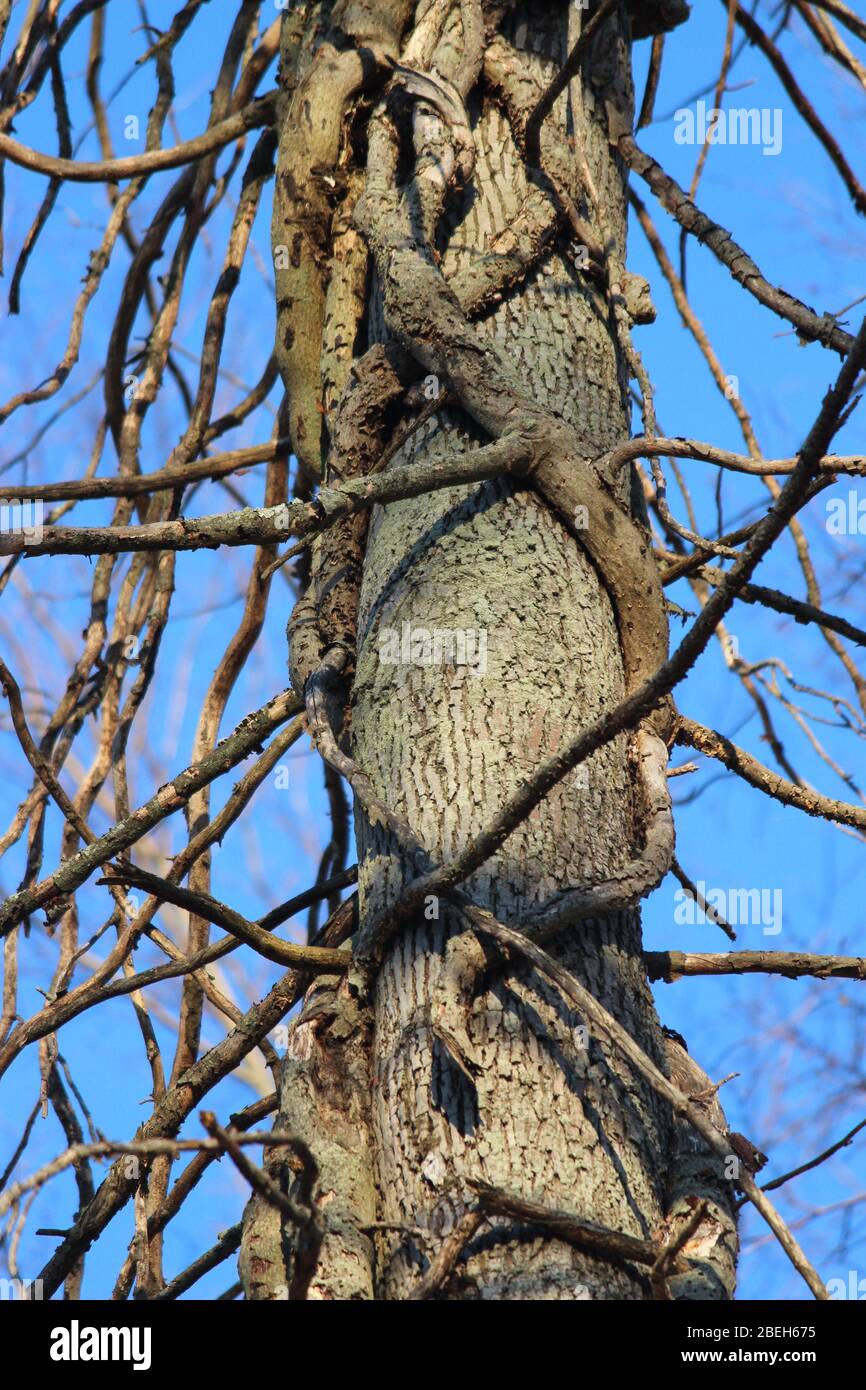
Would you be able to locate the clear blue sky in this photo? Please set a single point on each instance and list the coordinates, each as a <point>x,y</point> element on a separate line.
<point>792,215</point>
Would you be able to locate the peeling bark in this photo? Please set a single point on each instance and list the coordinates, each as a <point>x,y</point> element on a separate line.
<point>346,51</point>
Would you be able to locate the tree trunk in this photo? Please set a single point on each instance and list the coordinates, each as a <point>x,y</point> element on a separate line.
<point>553,1113</point>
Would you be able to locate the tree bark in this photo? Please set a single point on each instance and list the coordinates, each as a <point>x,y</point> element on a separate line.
<point>552,1113</point>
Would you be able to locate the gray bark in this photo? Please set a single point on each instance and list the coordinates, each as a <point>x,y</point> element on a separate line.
<point>550,1119</point>
<point>553,1114</point>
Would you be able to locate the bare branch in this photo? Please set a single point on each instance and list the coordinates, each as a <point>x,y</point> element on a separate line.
<point>227,754</point>
<point>671,966</point>
<point>811,327</point>
<point>258,113</point>
<point>313,958</point>
<point>764,779</point>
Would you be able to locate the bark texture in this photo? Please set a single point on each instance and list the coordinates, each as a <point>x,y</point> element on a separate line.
<point>550,1118</point>
<point>553,1113</point>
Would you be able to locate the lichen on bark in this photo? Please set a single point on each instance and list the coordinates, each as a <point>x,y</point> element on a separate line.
<point>552,1111</point>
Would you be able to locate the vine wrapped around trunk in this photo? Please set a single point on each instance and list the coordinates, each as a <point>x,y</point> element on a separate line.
<point>479,1073</point>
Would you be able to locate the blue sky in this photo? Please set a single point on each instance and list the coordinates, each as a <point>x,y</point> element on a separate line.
<point>796,1045</point>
